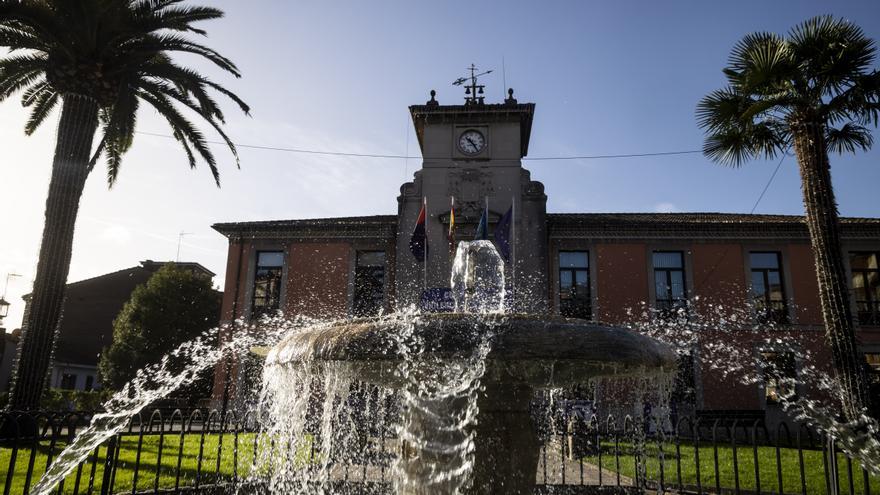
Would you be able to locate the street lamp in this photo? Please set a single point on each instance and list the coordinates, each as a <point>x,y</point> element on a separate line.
<point>4,304</point>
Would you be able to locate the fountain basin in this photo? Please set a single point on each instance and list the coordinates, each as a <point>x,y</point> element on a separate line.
<point>521,354</point>
<point>535,351</point>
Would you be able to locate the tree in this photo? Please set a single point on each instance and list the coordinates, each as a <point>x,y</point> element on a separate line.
<point>815,91</point>
<point>99,60</point>
<point>174,306</point>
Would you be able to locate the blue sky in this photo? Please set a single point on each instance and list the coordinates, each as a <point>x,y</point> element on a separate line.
<point>607,78</point>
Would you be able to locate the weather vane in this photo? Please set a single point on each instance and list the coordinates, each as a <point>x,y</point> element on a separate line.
<point>473,92</point>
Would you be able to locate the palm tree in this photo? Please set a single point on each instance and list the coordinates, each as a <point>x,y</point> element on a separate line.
<point>99,60</point>
<point>813,91</point>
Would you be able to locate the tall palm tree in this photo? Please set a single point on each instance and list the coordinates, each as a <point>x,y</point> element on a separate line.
<point>99,60</point>
<point>814,91</point>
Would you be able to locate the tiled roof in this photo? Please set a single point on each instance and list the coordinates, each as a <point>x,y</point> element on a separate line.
<point>696,217</point>
<point>611,225</point>
<point>367,226</point>
<point>647,225</point>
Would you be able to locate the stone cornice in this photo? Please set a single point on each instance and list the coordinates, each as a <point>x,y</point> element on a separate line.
<point>469,114</point>
<point>374,227</point>
<point>697,226</point>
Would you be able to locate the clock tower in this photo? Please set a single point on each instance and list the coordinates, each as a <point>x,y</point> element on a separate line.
<point>473,153</point>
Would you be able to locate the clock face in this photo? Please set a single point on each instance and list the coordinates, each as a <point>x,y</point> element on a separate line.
<point>471,142</point>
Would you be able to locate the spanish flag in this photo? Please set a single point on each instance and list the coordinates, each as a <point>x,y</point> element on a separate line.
<point>418,242</point>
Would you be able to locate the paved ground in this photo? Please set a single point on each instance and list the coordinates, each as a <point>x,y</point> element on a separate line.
<point>553,469</point>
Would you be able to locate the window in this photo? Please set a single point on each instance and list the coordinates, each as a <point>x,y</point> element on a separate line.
<point>267,283</point>
<point>68,381</point>
<point>574,285</point>
<point>369,283</point>
<point>669,287</point>
<point>90,383</point>
<point>873,361</point>
<point>768,290</point>
<point>778,369</point>
<point>866,287</point>
<point>684,390</point>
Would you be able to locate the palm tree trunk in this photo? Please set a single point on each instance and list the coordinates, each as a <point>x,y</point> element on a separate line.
<point>822,221</point>
<point>76,130</point>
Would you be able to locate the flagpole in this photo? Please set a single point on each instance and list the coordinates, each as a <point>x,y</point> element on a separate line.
<point>513,249</point>
<point>451,234</point>
<point>425,265</point>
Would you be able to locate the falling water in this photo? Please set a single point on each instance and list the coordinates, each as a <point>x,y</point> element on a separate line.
<point>320,408</point>
<point>318,415</point>
<point>178,368</point>
<point>477,278</point>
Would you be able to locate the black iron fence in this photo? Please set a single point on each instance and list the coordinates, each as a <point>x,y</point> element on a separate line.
<point>172,451</point>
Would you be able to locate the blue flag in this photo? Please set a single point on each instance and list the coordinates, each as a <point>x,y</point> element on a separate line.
<point>482,232</point>
<point>418,242</point>
<point>502,234</point>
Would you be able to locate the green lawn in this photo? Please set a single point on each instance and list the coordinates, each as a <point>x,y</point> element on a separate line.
<point>814,468</point>
<point>149,463</point>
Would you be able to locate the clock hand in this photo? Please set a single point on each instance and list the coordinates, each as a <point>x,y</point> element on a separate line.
<point>472,142</point>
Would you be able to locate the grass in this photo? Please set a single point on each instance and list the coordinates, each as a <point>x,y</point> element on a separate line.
<point>813,480</point>
<point>149,465</point>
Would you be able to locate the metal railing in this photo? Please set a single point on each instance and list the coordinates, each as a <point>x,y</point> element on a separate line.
<point>200,451</point>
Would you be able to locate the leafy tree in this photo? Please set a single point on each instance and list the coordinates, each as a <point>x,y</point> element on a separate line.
<point>99,60</point>
<point>174,306</point>
<point>815,91</point>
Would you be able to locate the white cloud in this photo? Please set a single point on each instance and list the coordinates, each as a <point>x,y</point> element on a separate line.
<point>665,208</point>
<point>116,234</point>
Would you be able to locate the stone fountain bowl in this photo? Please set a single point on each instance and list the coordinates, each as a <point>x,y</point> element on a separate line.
<point>522,354</point>
<point>538,352</point>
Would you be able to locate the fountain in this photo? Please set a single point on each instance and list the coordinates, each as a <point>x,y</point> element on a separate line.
<point>466,378</point>
<point>455,389</point>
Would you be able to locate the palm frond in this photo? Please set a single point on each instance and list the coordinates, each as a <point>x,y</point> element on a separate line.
<point>736,144</point>
<point>849,138</point>
<point>189,80</point>
<point>116,53</point>
<point>831,51</point>
<point>12,85</point>
<point>119,127</point>
<point>179,18</point>
<point>27,97</point>
<point>18,39</point>
<point>173,43</point>
<point>722,108</point>
<point>859,103</point>
<point>175,95</point>
<point>42,105</point>
<point>180,126</point>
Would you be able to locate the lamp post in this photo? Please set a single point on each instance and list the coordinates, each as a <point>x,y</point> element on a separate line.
<point>4,309</point>
<point>4,304</point>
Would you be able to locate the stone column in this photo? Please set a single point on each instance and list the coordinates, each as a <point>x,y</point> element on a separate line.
<point>506,444</point>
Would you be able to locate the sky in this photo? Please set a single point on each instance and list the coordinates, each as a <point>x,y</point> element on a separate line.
<point>607,78</point>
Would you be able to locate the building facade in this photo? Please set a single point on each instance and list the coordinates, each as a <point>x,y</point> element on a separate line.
<point>637,269</point>
<point>90,306</point>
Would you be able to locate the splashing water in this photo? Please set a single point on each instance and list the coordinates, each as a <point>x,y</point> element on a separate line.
<point>315,414</point>
<point>309,405</point>
<point>477,278</point>
<point>719,332</point>
<point>156,381</point>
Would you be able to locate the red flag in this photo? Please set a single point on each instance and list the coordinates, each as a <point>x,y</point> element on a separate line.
<point>418,242</point>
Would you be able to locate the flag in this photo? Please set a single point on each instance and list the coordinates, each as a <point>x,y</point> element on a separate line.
<point>502,234</point>
<point>451,234</point>
<point>418,241</point>
<point>482,232</point>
